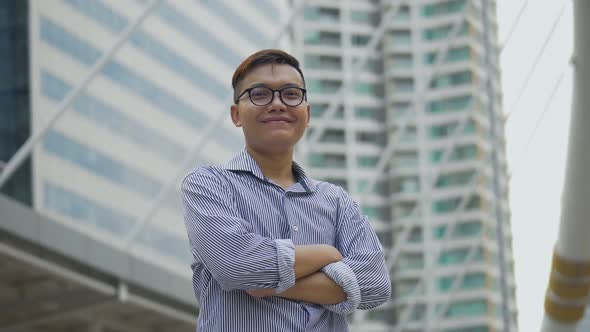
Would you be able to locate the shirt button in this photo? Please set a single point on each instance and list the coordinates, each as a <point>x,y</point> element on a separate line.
<point>295,228</point>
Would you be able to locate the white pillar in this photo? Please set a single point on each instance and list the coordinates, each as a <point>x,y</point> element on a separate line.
<point>567,294</point>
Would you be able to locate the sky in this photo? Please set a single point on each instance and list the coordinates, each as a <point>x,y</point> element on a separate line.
<point>537,135</point>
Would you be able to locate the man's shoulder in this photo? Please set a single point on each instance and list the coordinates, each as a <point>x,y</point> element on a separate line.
<point>330,189</point>
<point>205,172</point>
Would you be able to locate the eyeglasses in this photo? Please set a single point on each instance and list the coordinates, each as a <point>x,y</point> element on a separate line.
<point>263,96</point>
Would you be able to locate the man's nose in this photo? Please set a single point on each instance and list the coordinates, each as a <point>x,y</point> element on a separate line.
<point>276,100</point>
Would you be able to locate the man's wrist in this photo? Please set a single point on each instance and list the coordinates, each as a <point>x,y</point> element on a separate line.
<point>312,258</point>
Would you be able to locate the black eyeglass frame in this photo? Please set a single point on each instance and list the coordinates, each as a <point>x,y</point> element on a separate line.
<point>280,91</point>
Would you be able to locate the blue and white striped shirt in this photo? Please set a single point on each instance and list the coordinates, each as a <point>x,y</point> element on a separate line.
<point>243,230</point>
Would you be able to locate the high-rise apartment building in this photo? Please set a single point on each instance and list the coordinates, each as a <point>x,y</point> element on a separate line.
<point>417,137</point>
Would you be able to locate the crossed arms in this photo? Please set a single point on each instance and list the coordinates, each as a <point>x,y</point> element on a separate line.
<point>342,280</point>
<point>311,285</point>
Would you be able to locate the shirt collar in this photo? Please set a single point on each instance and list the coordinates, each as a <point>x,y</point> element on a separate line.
<point>243,161</point>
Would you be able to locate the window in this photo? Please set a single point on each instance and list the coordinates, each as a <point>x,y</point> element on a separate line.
<point>367,161</point>
<point>337,182</point>
<point>360,40</point>
<point>368,137</point>
<point>402,61</point>
<point>406,159</point>
<point>467,309</point>
<point>385,316</point>
<point>323,86</point>
<point>471,228</point>
<point>102,165</point>
<point>327,160</point>
<point>454,179</point>
<point>368,89</point>
<point>376,212</point>
<point>373,65</point>
<point>411,261</point>
<point>321,14</point>
<point>114,223</point>
<point>452,79</point>
<point>409,135</point>
<point>401,110</point>
<point>379,187</point>
<point>443,8</point>
<point>448,129</point>
<point>403,85</point>
<point>470,329</point>
<point>268,8</point>
<point>404,209</point>
<point>369,113</point>
<point>154,48</point>
<point>323,62</point>
<point>370,211</point>
<point>401,37</point>
<point>318,111</point>
<point>408,287</point>
<point>191,30</point>
<point>415,235</point>
<point>385,238</point>
<point>237,20</point>
<point>459,54</point>
<point>362,17</point>
<point>443,32</point>
<point>459,256</point>
<point>136,83</point>
<point>333,136</point>
<point>108,117</point>
<point>451,104</point>
<point>322,38</point>
<point>469,281</point>
<point>403,13</point>
<point>446,205</point>
<point>406,185</point>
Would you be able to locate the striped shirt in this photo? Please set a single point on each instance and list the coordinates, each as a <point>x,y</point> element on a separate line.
<point>243,229</point>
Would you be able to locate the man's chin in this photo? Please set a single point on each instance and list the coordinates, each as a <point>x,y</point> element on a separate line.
<point>276,145</point>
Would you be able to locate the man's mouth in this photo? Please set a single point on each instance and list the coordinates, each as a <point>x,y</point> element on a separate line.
<point>276,120</point>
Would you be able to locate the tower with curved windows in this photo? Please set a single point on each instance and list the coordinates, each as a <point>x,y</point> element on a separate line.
<point>406,115</point>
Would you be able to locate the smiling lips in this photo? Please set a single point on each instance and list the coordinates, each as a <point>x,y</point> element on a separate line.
<point>276,119</point>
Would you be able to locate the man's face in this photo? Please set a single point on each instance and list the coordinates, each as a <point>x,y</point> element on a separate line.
<point>275,127</point>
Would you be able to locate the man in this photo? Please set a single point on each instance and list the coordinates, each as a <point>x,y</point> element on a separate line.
<point>273,249</point>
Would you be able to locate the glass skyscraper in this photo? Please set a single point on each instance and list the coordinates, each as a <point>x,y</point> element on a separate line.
<point>101,166</point>
<point>417,138</point>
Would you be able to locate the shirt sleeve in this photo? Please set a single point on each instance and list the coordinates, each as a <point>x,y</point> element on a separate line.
<point>363,255</point>
<point>344,276</point>
<point>219,238</point>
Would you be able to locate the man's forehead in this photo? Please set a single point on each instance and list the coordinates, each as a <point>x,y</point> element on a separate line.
<point>272,73</point>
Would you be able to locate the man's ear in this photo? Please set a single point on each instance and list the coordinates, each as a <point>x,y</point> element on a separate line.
<point>235,115</point>
<point>308,114</point>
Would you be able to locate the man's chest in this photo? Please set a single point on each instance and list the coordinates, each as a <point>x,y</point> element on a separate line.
<point>301,217</point>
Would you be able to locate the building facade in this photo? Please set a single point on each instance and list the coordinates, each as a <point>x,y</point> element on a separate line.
<point>416,136</point>
<point>101,167</point>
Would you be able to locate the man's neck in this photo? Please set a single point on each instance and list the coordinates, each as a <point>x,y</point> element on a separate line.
<point>277,167</point>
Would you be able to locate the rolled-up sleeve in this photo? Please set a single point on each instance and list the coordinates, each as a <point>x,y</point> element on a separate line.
<point>344,276</point>
<point>220,240</point>
<point>363,255</point>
